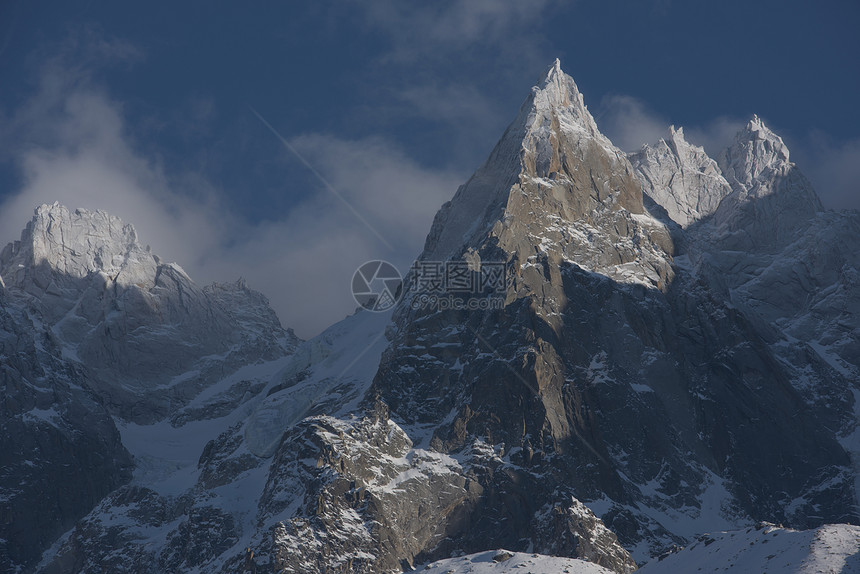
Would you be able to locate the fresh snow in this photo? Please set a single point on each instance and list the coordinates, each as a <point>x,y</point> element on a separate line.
<point>347,353</point>
<point>768,549</point>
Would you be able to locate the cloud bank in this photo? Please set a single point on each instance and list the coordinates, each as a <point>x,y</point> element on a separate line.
<point>72,144</point>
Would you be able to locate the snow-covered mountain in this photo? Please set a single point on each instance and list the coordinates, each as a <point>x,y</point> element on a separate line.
<point>635,351</point>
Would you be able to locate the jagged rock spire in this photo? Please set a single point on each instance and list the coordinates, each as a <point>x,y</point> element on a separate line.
<point>680,177</point>
<point>755,150</point>
<point>72,244</point>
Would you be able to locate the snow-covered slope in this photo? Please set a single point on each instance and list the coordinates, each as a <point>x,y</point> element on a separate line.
<point>832,549</point>
<point>766,548</point>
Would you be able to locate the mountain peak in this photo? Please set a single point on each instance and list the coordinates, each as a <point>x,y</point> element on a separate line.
<point>555,77</point>
<point>676,132</point>
<point>771,199</point>
<point>552,172</point>
<point>74,244</point>
<point>755,150</point>
<point>557,93</point>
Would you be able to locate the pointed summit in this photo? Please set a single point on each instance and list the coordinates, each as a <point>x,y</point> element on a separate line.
<point>559,88</point>
<point>558,93</point>
<point>771,198</point>
<point>755,150</point>
<point>552,171</point>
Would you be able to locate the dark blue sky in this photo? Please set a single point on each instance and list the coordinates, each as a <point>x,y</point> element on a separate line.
<point>155,99</point>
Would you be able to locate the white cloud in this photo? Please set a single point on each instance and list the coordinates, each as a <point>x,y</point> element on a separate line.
<point>716,135</point>
<point>455,104</point>
<point>629,123</point>
<point>305,262</point>
<point>74,150</point>
<point>72,145</point>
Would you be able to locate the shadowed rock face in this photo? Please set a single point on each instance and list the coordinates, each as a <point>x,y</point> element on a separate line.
<point>60,452</point>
